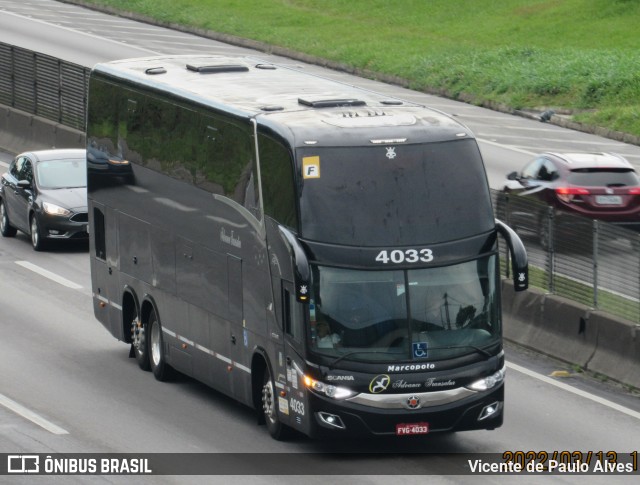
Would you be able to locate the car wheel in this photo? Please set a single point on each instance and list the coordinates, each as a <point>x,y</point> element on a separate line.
<point>161,370</point>
<point>139,342</point>
<point>6,229</point>
<point>277,429</point>
<point>37,239</point>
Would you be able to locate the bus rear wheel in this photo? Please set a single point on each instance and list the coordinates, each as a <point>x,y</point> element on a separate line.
<point>277,429</point>
<point>157,359</point>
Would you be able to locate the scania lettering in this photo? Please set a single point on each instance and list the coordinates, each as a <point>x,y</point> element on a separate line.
<point>324,254</point>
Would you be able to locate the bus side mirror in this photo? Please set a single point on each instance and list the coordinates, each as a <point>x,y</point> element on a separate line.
<point>519,261</point>
<point>302,273</point>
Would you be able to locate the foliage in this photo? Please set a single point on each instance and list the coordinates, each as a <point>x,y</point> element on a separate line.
<point>579,56</point>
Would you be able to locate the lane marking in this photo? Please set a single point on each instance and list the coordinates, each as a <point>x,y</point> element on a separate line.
<point>577,392</point>
<point>48,274</point>
<point>20,410</point>
<point>506,147</point>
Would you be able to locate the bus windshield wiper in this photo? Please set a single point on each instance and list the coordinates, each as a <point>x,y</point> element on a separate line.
<point>484,352</point>
<point>450,347</point>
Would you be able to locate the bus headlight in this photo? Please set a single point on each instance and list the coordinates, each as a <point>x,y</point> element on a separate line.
<point>489,382</point>
<point>335,392</point>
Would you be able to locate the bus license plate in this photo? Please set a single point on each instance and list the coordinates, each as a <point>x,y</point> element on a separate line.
<point>412,429</point>
<point>608,199</point>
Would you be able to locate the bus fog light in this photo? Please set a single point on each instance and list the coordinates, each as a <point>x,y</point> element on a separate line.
<point>331,420</point>
<point>490,410</point>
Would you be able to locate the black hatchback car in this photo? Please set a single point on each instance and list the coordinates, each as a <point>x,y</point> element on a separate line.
<point>44,195</point>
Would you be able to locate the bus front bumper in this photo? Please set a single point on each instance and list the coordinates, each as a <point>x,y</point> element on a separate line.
<point>341,418</point>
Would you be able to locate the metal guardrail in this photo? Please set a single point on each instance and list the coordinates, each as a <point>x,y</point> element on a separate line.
<point>43,85</point>
<point>587,261</point>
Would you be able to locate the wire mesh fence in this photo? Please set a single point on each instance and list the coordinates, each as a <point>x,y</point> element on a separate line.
<point>588,261</point>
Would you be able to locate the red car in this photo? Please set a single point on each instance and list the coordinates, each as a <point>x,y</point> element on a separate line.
<point>601,186</point>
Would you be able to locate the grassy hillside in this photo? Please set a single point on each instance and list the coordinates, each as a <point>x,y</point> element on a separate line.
<point>580,56</point>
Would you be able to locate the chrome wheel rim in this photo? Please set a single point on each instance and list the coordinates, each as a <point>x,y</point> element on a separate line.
<point>3,218</point>
<point>137,335</point>
<point>268,405</point>
<point>35,237</point>
<point>155,344</point>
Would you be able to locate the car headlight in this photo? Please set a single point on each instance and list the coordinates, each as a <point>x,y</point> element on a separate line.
<point>335,392</point>
<point>489,382</point>
<point>55,210</point>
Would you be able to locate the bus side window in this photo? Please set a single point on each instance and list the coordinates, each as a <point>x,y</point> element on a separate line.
<point>229,163</point>
<point>293,319</point>
<point>278,186</point>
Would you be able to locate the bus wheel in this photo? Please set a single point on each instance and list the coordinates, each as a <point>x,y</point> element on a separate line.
<point>139,342</point>
<point>157,358</point>
<point>277,430</point>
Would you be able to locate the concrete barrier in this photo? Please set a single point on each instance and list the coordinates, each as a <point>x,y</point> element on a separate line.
<point>549,324</point>
<point>618,351</point>
<point>521,313</point>
<point>572,333</point>
<point>21,131</point>
<point>568,331</point>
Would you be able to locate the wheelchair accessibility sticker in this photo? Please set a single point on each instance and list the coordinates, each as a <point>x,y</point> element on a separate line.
<point>419,349</point>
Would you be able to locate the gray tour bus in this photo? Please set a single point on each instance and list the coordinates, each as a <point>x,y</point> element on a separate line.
<point>322,253</point>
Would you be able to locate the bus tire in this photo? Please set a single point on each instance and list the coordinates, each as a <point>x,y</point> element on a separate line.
<point>277,429</point>
<point>157,358</point>
<point>139,344</point>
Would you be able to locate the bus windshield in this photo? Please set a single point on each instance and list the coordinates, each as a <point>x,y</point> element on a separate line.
<point>399,315</point>
<point>394,195</point>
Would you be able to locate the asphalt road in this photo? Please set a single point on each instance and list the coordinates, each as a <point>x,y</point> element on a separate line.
<point>76,390</point>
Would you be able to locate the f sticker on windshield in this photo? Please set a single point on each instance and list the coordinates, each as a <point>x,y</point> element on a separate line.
<point>311,167</point>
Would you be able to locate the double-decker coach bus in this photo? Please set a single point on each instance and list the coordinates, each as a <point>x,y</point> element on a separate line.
<point>324,254</point>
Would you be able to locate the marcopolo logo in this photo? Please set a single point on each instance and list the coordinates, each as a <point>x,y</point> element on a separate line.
<point>379,384</point>
<point>410,367</point>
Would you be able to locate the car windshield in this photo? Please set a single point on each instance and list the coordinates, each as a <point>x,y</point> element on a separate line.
<point>386,195</point>
<point>603,177</point>
<point>404,315</point>
<point>61,174</point>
